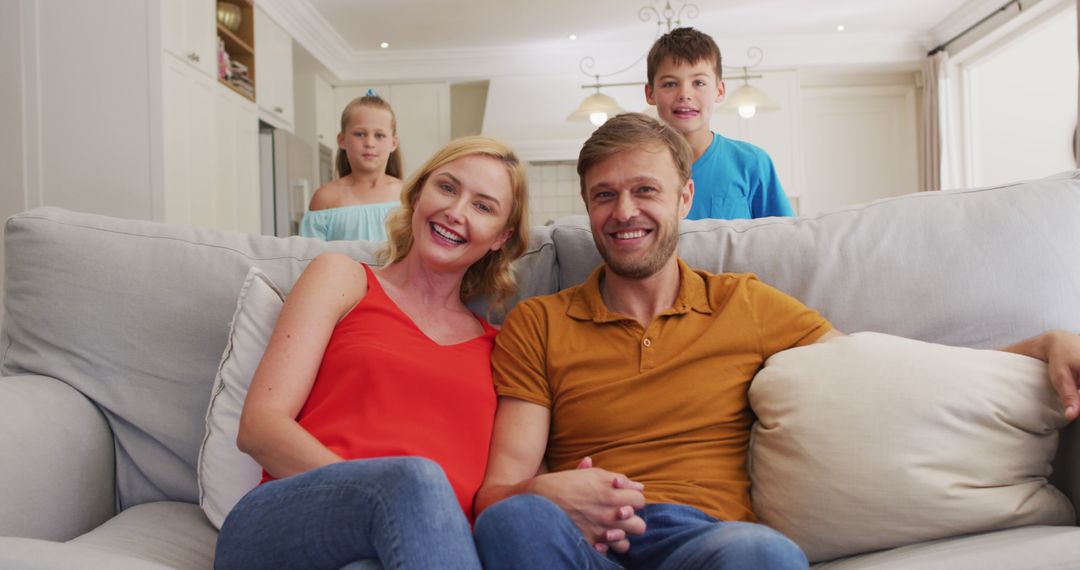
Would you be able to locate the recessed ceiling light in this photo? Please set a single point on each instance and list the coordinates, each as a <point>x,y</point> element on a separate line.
<point>572,37</point>
<point>840,28</point>
<point>384,45</point>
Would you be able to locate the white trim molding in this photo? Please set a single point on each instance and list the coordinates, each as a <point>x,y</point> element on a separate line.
<point>350,66</point>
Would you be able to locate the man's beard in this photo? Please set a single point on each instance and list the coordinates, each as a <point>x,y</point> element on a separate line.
<point>650,263</point>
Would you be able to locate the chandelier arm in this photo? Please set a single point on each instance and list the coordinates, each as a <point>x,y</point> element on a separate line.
<point>646,13</point>
<point>754,55</point>
<point>591,64</point>
<point>587,65</point>
<point>691,12</point>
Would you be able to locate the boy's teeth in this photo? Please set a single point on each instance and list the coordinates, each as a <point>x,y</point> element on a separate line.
<point>630,235</point>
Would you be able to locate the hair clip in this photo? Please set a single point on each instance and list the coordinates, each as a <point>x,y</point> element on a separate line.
<point>371,93</point>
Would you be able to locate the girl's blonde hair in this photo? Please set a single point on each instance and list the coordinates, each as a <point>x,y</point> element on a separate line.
<point>394,164</point>
<point>490,276</point>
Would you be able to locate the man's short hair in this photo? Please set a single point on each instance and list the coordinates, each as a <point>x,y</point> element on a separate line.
<point>684,45</point>
<point>630,131</point>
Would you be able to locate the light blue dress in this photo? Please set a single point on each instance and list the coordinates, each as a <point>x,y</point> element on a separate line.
<point>364,221</point>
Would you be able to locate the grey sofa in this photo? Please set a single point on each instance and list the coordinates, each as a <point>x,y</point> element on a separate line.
<point>114,328</point>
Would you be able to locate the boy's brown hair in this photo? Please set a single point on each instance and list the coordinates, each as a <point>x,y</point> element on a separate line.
<point>684,45</point>
<point>632,131</point>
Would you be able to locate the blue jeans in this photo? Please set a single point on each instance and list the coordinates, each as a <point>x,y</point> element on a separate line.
<point>528,531</point>
<point>400,511</point>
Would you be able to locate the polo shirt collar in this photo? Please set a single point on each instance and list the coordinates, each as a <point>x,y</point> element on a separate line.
<point>588,305</point>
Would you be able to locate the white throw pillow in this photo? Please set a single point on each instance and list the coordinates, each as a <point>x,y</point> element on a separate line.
<point>870,441</point>
<point>225,473</point>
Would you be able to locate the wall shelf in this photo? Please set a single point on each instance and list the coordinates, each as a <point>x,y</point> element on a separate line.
<point>239,45</point>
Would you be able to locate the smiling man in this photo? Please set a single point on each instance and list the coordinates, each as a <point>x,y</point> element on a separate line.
<point>635,383</point>
<point>623,420</point>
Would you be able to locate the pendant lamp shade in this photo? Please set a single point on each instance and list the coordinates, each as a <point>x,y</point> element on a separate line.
<point>748,100</point>
<point>596,109</point>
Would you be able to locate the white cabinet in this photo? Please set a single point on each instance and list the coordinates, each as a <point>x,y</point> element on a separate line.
<point>187,31</point>
<point>327,114</point>
<point>211,155</point>
<point>190,137</point>
<point>273,72</point>
<point>238,199</point>
<point>149,135</point>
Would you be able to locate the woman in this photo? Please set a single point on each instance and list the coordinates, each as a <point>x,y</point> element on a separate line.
<point>371,411</point>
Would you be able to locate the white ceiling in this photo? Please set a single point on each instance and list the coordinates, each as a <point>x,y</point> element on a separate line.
<point>494,24</point>
<point>459,39</point>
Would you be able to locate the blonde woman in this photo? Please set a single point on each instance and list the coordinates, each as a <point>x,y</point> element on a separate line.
<point>372,409</point>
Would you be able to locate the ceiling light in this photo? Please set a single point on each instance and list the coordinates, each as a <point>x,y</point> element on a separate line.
<point>384,45</point>
<point>747,99</point>
<point>572,37</point>
<point>840,28</point>
<point>596,108</point>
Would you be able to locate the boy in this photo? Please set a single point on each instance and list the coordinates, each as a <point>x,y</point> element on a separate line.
<point>732,179</point>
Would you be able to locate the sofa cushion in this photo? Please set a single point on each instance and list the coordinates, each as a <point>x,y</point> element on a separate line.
<point>37,554</point>
<point>154,536</point>
<point>871,441</point>
<point>173,534</point>
<point>225,473</point>
<point>1025,548</point>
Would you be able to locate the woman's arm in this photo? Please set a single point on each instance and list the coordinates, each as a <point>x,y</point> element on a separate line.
<point>328,288</point>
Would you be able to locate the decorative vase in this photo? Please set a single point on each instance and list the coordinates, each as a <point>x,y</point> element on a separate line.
<point>229,15</point>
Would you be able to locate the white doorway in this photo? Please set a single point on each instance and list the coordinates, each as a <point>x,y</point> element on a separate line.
<point>860,145</point>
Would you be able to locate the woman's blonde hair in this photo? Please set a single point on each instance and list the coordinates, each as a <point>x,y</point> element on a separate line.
<point>394,165</point>
<point>490,276</point>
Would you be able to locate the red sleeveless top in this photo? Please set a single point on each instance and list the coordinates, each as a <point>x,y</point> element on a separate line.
<point>384,388</point>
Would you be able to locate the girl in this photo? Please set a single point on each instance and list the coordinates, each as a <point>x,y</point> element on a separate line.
<point>369,165</point>
<point>372,409</point>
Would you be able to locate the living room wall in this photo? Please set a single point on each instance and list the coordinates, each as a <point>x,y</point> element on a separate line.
<point>12,194</point>
<point>1023,103</point>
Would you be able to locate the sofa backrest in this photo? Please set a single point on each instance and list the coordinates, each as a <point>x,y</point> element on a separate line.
<point>135,315</point>
<point>978,268</point>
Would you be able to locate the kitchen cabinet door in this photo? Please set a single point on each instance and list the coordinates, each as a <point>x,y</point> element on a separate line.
<point>273,72</point>
<point>189,31</point>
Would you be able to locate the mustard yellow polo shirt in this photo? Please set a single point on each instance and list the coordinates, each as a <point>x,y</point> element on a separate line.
<point>665,405</point>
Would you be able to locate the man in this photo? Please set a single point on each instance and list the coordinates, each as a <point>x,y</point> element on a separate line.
<point>635,383</point>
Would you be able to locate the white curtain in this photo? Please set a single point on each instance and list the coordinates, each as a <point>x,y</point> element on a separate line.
<point>934,119</point>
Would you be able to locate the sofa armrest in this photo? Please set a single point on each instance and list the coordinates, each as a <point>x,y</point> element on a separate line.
<point>57,478</point>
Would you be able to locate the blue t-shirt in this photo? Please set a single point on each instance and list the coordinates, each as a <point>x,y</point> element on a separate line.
<point>363,221</point>
<point>735,179</point>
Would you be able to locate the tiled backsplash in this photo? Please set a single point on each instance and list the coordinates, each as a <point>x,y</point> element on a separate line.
<point>554,191</point>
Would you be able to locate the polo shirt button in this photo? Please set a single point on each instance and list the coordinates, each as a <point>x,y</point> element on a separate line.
<point>647,343</point>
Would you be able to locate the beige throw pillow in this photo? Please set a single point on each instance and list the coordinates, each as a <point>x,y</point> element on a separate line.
<point>870,441</point>
<point>226,474</point>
